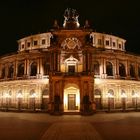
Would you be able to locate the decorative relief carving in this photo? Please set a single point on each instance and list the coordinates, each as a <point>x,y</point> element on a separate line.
<point>71,43</point>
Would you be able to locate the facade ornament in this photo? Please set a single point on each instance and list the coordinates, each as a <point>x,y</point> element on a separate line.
<point>71,16</point>
<point>86,24</point>
<point>71,43</point>
<point>55,25</point>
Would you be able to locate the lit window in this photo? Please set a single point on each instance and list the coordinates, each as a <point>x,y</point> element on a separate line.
<point>43,41</point>
<point>35,42</point>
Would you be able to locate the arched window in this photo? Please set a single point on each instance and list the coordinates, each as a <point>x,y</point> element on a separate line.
<point>111,92</point>
<point>20,70</point>
<point>32,92</point>
<point>33,69</point>
<point>96,68</point>
<point>132,71</point>
<point>123,94</point>
<point>71,64</point>
<point>122,91</point>
<point>122,72</point>
<point>109,69</point>
<point>3,73</point>
<point>19,92</point>
<point>11,71</point>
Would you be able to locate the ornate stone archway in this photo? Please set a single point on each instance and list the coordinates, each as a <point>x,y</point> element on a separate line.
<point>71,100</point>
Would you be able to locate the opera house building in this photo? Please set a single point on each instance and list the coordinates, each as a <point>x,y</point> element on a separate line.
<point>70,69</point>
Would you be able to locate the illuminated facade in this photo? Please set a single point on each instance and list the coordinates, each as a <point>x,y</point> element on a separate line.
<point>70,68</point>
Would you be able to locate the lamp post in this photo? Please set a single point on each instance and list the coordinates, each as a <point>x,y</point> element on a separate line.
<point>19,98</point>
<point>136,96</point>
<point>109,96</point>
<point>123,96</point>
<point>34,96</point>
<point>7,97</point>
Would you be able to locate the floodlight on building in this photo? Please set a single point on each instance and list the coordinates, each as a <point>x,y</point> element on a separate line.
<point>123,96</point>
<point>109,96</point>
<point>136,96</point>
<point>19,97</point>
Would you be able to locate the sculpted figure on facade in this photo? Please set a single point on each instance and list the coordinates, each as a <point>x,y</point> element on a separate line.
<point>71,15</point>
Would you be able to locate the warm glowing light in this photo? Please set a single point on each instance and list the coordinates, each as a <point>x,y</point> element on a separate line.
<point>123,95</point>
<point>109,95</point>
<point>136,95</point>
<point>7,95</point>
<point>71,90</point>
<point>97,81</point>
<point>19,95</point>
<point>65,101</point>
<point>34,95</point>
<point>78,99</point>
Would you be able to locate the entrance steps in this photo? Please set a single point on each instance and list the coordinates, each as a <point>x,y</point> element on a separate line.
<point>72,112</point>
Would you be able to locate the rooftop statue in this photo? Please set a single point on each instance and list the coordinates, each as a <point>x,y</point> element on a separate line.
<point>71,15</point>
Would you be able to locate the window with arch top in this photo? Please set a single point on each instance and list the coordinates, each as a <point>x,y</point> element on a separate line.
<point>132,71</point>
<point>33,69</point>
<point>20,70</point>
<point>109,68</point>
<point>122,72</point>
<point>96,68</point>
<point>11,71</point>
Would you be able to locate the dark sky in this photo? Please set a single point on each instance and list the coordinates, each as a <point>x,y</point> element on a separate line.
<point>20,18</point>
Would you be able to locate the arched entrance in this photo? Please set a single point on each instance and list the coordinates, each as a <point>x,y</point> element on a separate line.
<point>71,98</point>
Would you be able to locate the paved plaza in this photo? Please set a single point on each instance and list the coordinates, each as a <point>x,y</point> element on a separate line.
<point>39,126</point>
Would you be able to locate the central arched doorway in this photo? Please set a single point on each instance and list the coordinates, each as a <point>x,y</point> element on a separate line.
<point>71,98</point>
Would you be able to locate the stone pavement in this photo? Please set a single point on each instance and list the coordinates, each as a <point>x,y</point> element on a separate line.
<point>42,126</point>
<point>71,131</point>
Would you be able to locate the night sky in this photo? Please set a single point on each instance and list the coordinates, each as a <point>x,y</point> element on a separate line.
<point>20,18</point>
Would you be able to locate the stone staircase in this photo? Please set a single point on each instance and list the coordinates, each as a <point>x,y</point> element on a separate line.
<point>72,113</point>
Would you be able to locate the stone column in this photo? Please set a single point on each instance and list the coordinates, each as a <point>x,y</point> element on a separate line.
<point>58,62</point>
<point>54,61</point>
<point>127,70</point>
<point>101,68</point>
<point>88,61</point>
<point>38,67</point>
<point>84,62</point>
<point>41,67</point>
<point>51,61</point>
<point>15,69</point>
<point>117,69</point>
<point>27,67</point>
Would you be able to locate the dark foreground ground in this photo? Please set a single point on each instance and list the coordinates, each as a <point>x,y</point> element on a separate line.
<point>37,126</point>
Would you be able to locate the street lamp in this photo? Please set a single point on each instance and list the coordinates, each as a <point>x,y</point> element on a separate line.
<point>19,97</point>
<point>33,96</point>
<point>7,96</point>
<point>123,96</point>
<point>109,96</point>
<point>136,96</point>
